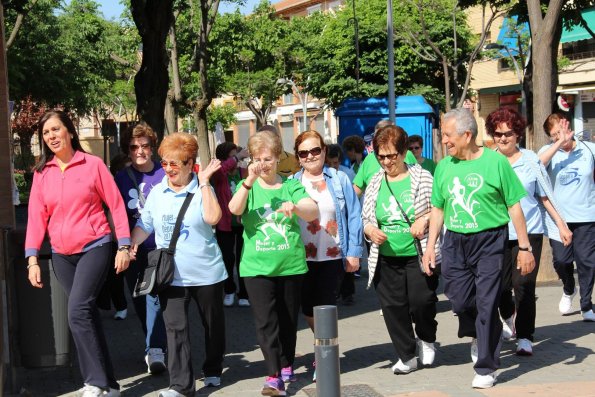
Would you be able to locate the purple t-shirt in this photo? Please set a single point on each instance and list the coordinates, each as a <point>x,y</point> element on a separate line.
<point>146,181</point>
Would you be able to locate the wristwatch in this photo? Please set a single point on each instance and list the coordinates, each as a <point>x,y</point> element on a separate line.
<point>124,248</point>
<point>528,249</point>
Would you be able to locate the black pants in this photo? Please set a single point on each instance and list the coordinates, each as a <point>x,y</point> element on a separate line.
<point>581,251</point>
<point>231,244</point>
<point>406,296</point>
<point>113,288</point>
<point>174,303</point>
<point>82,277</point>
<point>320,284</point>
<point>471,269</point>
<point>524,288</point>
<point>275,303</point>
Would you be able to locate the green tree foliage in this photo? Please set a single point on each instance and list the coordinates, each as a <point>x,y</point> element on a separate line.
<point>226,115</point>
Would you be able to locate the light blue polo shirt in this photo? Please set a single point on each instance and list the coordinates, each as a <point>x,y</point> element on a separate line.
<point>572,178</point>
<point>529,203</point>
<point>198,259</point>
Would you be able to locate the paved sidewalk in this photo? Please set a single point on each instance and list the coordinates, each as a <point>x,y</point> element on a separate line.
<point>563,363</point>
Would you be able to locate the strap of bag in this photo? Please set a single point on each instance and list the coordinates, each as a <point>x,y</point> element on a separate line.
<point>141,196</point>
<point>176,235</point>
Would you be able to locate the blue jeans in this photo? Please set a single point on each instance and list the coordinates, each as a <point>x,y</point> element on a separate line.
<point>147,307</point>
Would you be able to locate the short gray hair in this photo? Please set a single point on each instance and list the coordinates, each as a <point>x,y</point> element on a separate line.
<point>464,121</point>
<point>382,123</point>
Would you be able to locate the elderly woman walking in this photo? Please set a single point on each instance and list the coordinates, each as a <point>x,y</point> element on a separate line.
<point>396,216</point>
<point>199,270</point>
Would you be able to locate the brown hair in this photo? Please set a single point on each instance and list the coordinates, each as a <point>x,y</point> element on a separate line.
<point>180,145</point>
<point>141,130</point>
<point>551,122</point>
<point>415,139</point>
<point>511,117</point>
<point>265,140</point>
<point>354,142</point>
<point>307,135</point>
<point>46,152</point>
<point>390,134</point>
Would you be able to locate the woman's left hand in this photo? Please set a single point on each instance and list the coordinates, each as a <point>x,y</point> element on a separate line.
<point>287,208</point>
<point>122,261</point>
<point>525,262</point>
<point>418,228</point>
<point>205,174</point>
<point>351,264</point>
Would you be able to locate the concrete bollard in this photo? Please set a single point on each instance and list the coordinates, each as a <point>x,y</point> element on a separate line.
<point>326,351</point>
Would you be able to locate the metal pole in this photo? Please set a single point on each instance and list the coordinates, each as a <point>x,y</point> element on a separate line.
<point>326,351</point>
<point>519,76</point>
<point>304,98</point>
<point>391,60</point>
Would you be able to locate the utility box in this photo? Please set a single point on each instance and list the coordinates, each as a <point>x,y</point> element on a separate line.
<point>358,116</point>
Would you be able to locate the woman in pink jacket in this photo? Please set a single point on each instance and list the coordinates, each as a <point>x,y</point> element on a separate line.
<point>66,201</point>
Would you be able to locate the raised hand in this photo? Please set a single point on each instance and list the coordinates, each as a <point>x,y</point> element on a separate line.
<point>205,174</point>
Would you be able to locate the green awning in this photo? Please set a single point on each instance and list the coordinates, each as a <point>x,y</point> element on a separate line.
<point>577,32</point>
<point>500,89</point>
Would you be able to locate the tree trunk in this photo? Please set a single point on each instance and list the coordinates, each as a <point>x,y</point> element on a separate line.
<point>200,119</point>
<point>446,84</point>
<point>171,115</point>
<point>153,19</point>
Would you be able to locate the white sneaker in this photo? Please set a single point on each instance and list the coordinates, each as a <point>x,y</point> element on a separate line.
<point>170,393</point>
<point>155,360</point>
<point>524,347</point>
<point>243,303</point>
<point>565,305</point>
<point>404,368</point>
<point>382,314</point>
<point>229,300</point>
<point>426,352</point>
<point>212,381</point>
<point>474,350</point>
<point>484,381</point>
<point>508,329</point>
<point>121,314</point>
<point>94,391</point>
<point>589,315</point>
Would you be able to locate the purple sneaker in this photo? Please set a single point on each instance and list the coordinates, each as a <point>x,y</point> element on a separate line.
<point>273,387</point>
<point>287,374</point>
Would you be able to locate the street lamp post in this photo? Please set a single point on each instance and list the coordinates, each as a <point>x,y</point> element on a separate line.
<point>517,69</point>
<point>303,100</point>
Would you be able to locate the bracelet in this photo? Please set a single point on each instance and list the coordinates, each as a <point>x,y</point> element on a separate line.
<point>30,265</point>
<point>246,186</point>
<point>124,248</point>
<point>203,185</point>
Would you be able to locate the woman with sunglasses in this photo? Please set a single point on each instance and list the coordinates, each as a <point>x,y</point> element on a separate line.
<point>199,269</point>
<point>70,188</point>
<point>507,127</point>
<point>334,239</point>
<point>135,183</point>
<point>416,145</point>
<point>570,164</point>
<point>396,211</point>
<point>273,261</point>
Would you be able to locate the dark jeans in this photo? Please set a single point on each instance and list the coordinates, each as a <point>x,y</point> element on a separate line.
<point>82,277</point>
<point>472,273</point>
<point>406,296</point>
<point>231,244</point>
<point>147,307</point>
<point>175,302</point>
<point>524,288</point>
<point>275,303</point>
<point>581,251</point>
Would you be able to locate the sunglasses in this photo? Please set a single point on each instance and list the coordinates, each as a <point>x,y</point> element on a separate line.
<point>134,148</point>
<point>414,147</point>
<point>174,165</point>
<point>315,151</point>
<point>391,157</point>
<point>508,134</point>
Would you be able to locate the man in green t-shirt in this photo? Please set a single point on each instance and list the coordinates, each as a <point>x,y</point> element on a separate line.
<point>475,190</point>
<point>370,166</point>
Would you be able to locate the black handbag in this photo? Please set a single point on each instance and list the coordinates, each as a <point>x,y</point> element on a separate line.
<point>159,272</point>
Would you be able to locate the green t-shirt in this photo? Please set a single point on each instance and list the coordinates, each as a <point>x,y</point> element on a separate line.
<point>475,194</point>
<point>428,165</point>
<point>391,221</point>
<point>272,242</point>
<point>234,181</point>
<point>370,166</point>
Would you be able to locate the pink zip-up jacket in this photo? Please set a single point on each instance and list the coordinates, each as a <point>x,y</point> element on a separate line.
<point>68,204</point>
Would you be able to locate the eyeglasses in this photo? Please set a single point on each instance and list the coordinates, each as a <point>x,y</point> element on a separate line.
<point>391,157</point>
<point>134,148</point>
<point>414,147</point>
<point>315,151</point>
<point>508,134</point>
<point>174,165</point>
